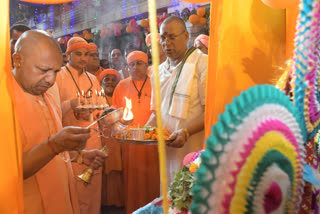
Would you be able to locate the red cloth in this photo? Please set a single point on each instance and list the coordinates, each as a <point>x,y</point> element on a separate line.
<point>137,55</point>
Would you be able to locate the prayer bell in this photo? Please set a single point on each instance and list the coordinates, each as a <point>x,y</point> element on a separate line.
<point>86,176</point>
<point>87,173</point>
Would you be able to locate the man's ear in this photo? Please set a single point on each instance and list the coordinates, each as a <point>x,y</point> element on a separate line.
<point>68,56</point>
<point>186,34</point>
<point>17,60</point>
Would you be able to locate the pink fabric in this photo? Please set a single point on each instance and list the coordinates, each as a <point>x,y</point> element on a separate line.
<point>204,39</point>
<point>272,198</point>
<point>187,159</point>
<point>89,196</point>
<point>52,189</point>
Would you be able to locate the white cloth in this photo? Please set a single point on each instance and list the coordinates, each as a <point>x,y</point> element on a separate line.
<point>121,74</point>
<point>194,79</point>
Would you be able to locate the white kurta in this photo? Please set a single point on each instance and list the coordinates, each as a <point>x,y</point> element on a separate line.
<point>195,108</point>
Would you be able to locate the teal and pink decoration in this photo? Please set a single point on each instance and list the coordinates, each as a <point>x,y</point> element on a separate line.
<point>307,66</point>
<point>253,162</point>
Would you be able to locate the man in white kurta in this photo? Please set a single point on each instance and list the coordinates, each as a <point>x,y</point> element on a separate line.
<point>183,103</point>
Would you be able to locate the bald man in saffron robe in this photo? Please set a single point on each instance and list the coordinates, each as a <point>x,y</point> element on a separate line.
<point>140,163</point>
<point>49,185</point>
<point>73,79</point>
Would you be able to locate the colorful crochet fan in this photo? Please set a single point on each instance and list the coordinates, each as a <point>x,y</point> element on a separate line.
<point>307,66</point>
<point>253,161</point>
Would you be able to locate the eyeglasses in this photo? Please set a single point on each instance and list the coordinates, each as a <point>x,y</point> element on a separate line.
<point>170,37</point>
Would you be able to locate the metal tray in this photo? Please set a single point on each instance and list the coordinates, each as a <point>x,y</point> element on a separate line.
<point>139,142</point>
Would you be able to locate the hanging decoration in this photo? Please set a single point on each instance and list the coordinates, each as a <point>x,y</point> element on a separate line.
<point>306,67</point>
<point>197,1</point>
<point>144,23</point>
<point>103,31</point>
<point>88,36</point>
<point>132,23</point>
<point>85,32</point>
<point>202,21</point>
<point>129,29</point>
<point>194,19</point>
<point>280,4</point>
<point>47,1</point>
<point>201,11</point>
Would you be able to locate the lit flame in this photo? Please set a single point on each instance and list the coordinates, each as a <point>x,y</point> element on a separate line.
<point>127,114</point>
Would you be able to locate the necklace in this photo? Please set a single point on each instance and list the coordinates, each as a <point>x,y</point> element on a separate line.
<point>91,85</point>
<point>139,91</point>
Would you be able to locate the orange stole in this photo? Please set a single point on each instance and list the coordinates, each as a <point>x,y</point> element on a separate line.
<point>89,196</point>
<point>51,190</point>
<point>140,163</point>
<point>97,74</point>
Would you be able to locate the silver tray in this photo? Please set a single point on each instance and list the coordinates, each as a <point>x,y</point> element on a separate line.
<point>139,142</point>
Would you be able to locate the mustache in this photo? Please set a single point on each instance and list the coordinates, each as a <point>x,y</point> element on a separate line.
<point>110,85</point>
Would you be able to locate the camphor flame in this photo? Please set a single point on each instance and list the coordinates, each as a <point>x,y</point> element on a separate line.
<point>127,113</point>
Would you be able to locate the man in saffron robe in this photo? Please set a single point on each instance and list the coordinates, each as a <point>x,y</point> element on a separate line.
<point>72,80</point>
<point>15,32</point>
<point>93,65</point>
<point>112,178</point>
<point>109,79</point>
<point>182,88</point>
<point>49,185</point>
<point>140,163</point>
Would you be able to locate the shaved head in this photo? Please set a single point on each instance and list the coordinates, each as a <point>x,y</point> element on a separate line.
<point>33,39</point>
<point>177,21</point>
<point>174,38</point>
<point>37,59</point>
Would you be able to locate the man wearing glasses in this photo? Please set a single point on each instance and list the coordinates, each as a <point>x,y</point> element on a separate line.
<point>183,85</point>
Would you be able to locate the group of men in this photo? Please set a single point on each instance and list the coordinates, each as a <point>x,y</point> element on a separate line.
<point>57,146</point>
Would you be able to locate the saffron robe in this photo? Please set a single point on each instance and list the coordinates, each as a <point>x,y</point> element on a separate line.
<point>52,189</point>
<point>140,162</point>
<point>89,196</point>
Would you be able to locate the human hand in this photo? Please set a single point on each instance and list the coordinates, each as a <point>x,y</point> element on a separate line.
<point>177,139</point>
<point>74,104</point>
<point>93,158</point>
<point>70,138</point>
<point>82,115</point>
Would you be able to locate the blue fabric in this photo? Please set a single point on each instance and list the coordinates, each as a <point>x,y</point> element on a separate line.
<point>309,176</point>
<point>149,209</point>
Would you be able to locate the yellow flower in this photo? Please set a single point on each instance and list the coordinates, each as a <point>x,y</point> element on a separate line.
<point>193,168</point>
